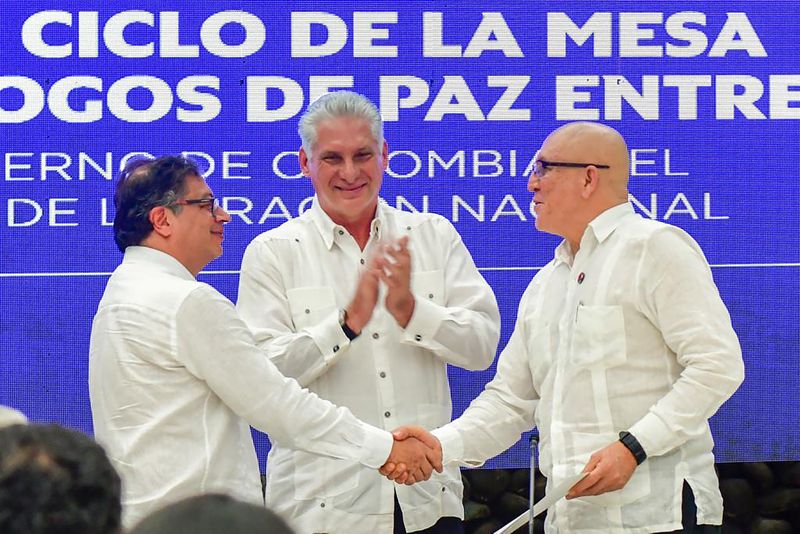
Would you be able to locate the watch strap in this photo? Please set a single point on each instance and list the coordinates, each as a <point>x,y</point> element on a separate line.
<point>348,332</point>
<point>633,445</point>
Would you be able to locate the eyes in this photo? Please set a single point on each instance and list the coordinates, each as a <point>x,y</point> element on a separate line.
<point>359,157</point>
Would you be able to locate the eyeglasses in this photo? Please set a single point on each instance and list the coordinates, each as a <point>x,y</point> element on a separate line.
<point>212,203</point>
<point>540,166</point>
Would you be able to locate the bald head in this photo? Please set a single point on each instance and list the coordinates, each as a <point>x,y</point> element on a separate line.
<point>581,170</point>
<point>591,142</point>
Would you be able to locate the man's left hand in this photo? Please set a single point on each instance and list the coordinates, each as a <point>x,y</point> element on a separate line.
<point>608,469</point>
<point>396,274</point>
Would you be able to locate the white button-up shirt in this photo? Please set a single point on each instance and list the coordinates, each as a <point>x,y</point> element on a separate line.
<point>174,380</point>
<point>630,334</point>
<point>293,283</point>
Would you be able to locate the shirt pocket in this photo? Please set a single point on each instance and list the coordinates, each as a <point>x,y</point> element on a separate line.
<point>599,339</point>
<point>429,285</point>
<point>322,477</point>
<point>638,485</point>
<point>310,305</point>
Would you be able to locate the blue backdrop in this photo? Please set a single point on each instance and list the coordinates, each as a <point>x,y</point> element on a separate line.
<point>706,94</point>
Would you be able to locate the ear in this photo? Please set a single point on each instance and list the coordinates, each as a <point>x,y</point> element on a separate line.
<point>385,155</point>
<point>303,157</point>
<point>591,182</point>
<point>160,220</point>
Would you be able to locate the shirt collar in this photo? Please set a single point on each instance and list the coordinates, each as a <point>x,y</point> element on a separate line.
<point>162,260</point>
<point>600,228</point>
<point>329,229</point>
<point>604,224</point>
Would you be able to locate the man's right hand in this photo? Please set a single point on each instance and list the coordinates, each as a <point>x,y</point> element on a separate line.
<point>397,470</point>
<point>360,309</point>
<point>411,461</point>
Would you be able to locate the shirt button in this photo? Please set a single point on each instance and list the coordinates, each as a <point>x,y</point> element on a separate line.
<point>430,295</point>
<point>418,337</point>
<point>444,489</point>
<point>308,311</point>
<point>375,335</point>
<point>387,414</point>
<point>322,505</point>
<point>341,232</point>
<point>408,228</point>
<point>383,375</point>
<point>336,348</point>
<point>362,261</point>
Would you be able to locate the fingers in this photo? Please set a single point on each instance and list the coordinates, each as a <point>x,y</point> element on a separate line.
<point>401,433</point>
<point>609,469</point>
<point>411,461</point>
<point>399,473</point>
<point>387,469</point>
<point>585,486</point>
<point>423,435</point>
<point>397,262</point>
<point>433,454</point>
<point>434,457</point>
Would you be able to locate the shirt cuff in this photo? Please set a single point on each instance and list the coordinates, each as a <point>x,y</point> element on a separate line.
<point>452,444</point>
<point>329,336</point>
<point>377,446</point>
<point>653,435</point>
<point>424,322</point>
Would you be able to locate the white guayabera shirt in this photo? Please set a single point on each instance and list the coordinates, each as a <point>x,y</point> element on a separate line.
<point>10,416</point>
<point>174,380</point>
<point>294,281</point>
<point>630,334</point>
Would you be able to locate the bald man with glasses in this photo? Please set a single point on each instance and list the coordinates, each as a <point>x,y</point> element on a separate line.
<point>621,352</point>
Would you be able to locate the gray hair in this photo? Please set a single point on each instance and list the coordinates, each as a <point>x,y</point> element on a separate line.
<point>335,105</point>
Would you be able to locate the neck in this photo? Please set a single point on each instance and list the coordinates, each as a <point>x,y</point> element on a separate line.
<point>359,231</point>
<point>164,246</point>
<point>358,227</point>
<point>574,246</point>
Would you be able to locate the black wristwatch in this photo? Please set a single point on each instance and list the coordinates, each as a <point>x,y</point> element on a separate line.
<point>634,446</point>
<point>346,329</point>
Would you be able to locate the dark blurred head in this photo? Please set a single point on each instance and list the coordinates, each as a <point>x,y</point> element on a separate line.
<point>212,514</point>
<point>56,481</point>
<point>142,185</point>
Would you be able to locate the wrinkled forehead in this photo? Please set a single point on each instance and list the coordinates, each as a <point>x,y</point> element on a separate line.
<point>345,130</point>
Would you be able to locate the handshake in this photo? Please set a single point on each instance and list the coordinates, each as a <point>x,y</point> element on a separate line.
<point>415,454</point>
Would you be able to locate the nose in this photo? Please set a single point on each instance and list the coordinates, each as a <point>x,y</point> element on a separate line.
<point>533,183</point>
<point>220,215</point>
<point>349,170</point>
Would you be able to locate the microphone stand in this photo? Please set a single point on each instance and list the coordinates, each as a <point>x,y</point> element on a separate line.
<point>534,444</point>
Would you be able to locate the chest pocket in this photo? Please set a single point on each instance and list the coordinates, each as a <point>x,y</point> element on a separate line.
<point>429,285</point>
<point>599,339</point>
<point>310,305</point>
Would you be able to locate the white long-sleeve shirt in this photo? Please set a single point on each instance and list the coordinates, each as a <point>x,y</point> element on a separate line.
<point>293,283</point>
<point>630,334</point>
<point>174,380</point>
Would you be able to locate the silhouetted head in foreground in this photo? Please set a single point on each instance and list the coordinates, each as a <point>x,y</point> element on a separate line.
<point>212,514</point>
<point>54,480</point>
